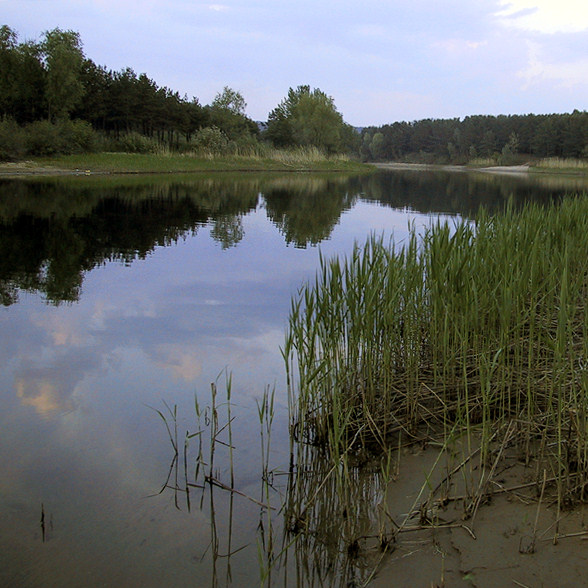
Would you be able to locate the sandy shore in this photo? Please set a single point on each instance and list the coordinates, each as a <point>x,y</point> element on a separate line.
<point>515,538</point>
<point>505,169</point>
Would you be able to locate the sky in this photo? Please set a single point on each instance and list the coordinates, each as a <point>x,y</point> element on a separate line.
<point>382,61</point>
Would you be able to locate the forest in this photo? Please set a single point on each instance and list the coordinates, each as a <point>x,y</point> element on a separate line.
<point>55,100</point>
<point>503,139</point>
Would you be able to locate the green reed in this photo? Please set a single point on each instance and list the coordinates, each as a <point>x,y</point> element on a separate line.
<point>265,542</point>
<point>471,325</point>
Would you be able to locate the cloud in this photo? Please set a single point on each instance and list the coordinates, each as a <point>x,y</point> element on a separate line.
<point>184,364</point>
<point>56,353</point>
<point>44,396</point>
<point>570,74</point>
<point>545,16</point>
<point>49,383</point>
<point>63,330</point>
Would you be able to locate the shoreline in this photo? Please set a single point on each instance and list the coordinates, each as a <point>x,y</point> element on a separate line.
<point>525,169</point>
<point>499,169</point>
<point>137,164</point>
<point>134,165</point>
<point>516,537</point>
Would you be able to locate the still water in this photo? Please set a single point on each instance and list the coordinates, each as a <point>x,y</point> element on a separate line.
<point>123,297</point>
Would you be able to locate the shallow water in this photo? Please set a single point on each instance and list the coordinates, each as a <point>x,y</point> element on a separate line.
<point>127,296</point>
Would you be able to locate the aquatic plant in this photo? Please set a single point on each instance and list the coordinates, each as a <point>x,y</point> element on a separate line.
<point>464,328</point>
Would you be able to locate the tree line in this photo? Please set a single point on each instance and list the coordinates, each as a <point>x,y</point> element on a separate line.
<point>61,97</point>
<point>54,99</point>
<point>505,139</point>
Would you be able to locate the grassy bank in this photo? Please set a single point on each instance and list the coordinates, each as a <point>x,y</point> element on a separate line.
<point>278,160</point>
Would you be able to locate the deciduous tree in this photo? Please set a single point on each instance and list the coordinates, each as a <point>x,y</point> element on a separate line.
<point>227,112</point>
<point>8,70</point>
<point>309,118</point>
<point>230,100</point>
<point>64,58</point>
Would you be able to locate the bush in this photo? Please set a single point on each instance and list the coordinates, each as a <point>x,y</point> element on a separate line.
<point>77,136</point>
<point>61,138</point>
<point>42,138</point>
<point>133,142</point>
<point>12,145</point>
<point>247,145</point>
<point>211,140</point>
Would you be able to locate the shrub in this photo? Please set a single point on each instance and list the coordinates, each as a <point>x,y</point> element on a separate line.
<point>211,140</point>
<point>77,136</point>
<point>247,145</point>
<point>133,142</point>
<point>11,140</point>
<point>43,138</point>
<point>63,137</point>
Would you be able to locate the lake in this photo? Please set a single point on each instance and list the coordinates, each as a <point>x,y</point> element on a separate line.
<point>127,301</point>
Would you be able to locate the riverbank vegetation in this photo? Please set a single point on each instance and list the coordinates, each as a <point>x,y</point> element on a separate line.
<point>56,101</point>
<point>468,340</point>
<point>561,164</point>
<point>475,331</point>
<point>264,158</point>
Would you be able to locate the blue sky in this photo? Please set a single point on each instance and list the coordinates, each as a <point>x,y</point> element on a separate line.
<point>382,61</point>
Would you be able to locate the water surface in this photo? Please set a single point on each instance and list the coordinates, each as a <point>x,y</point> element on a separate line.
<point>122,295</point>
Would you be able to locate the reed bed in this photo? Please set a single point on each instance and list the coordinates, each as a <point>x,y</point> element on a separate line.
<point>484,161</point>
<point>562,163</point>
<point>259,153</point>
<point>469,329</point>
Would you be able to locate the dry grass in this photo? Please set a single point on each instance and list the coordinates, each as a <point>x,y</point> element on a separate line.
<point>558,163</point>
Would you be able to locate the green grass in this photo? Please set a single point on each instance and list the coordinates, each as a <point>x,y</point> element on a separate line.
<point>165,162</point>
<point>467,329</point>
